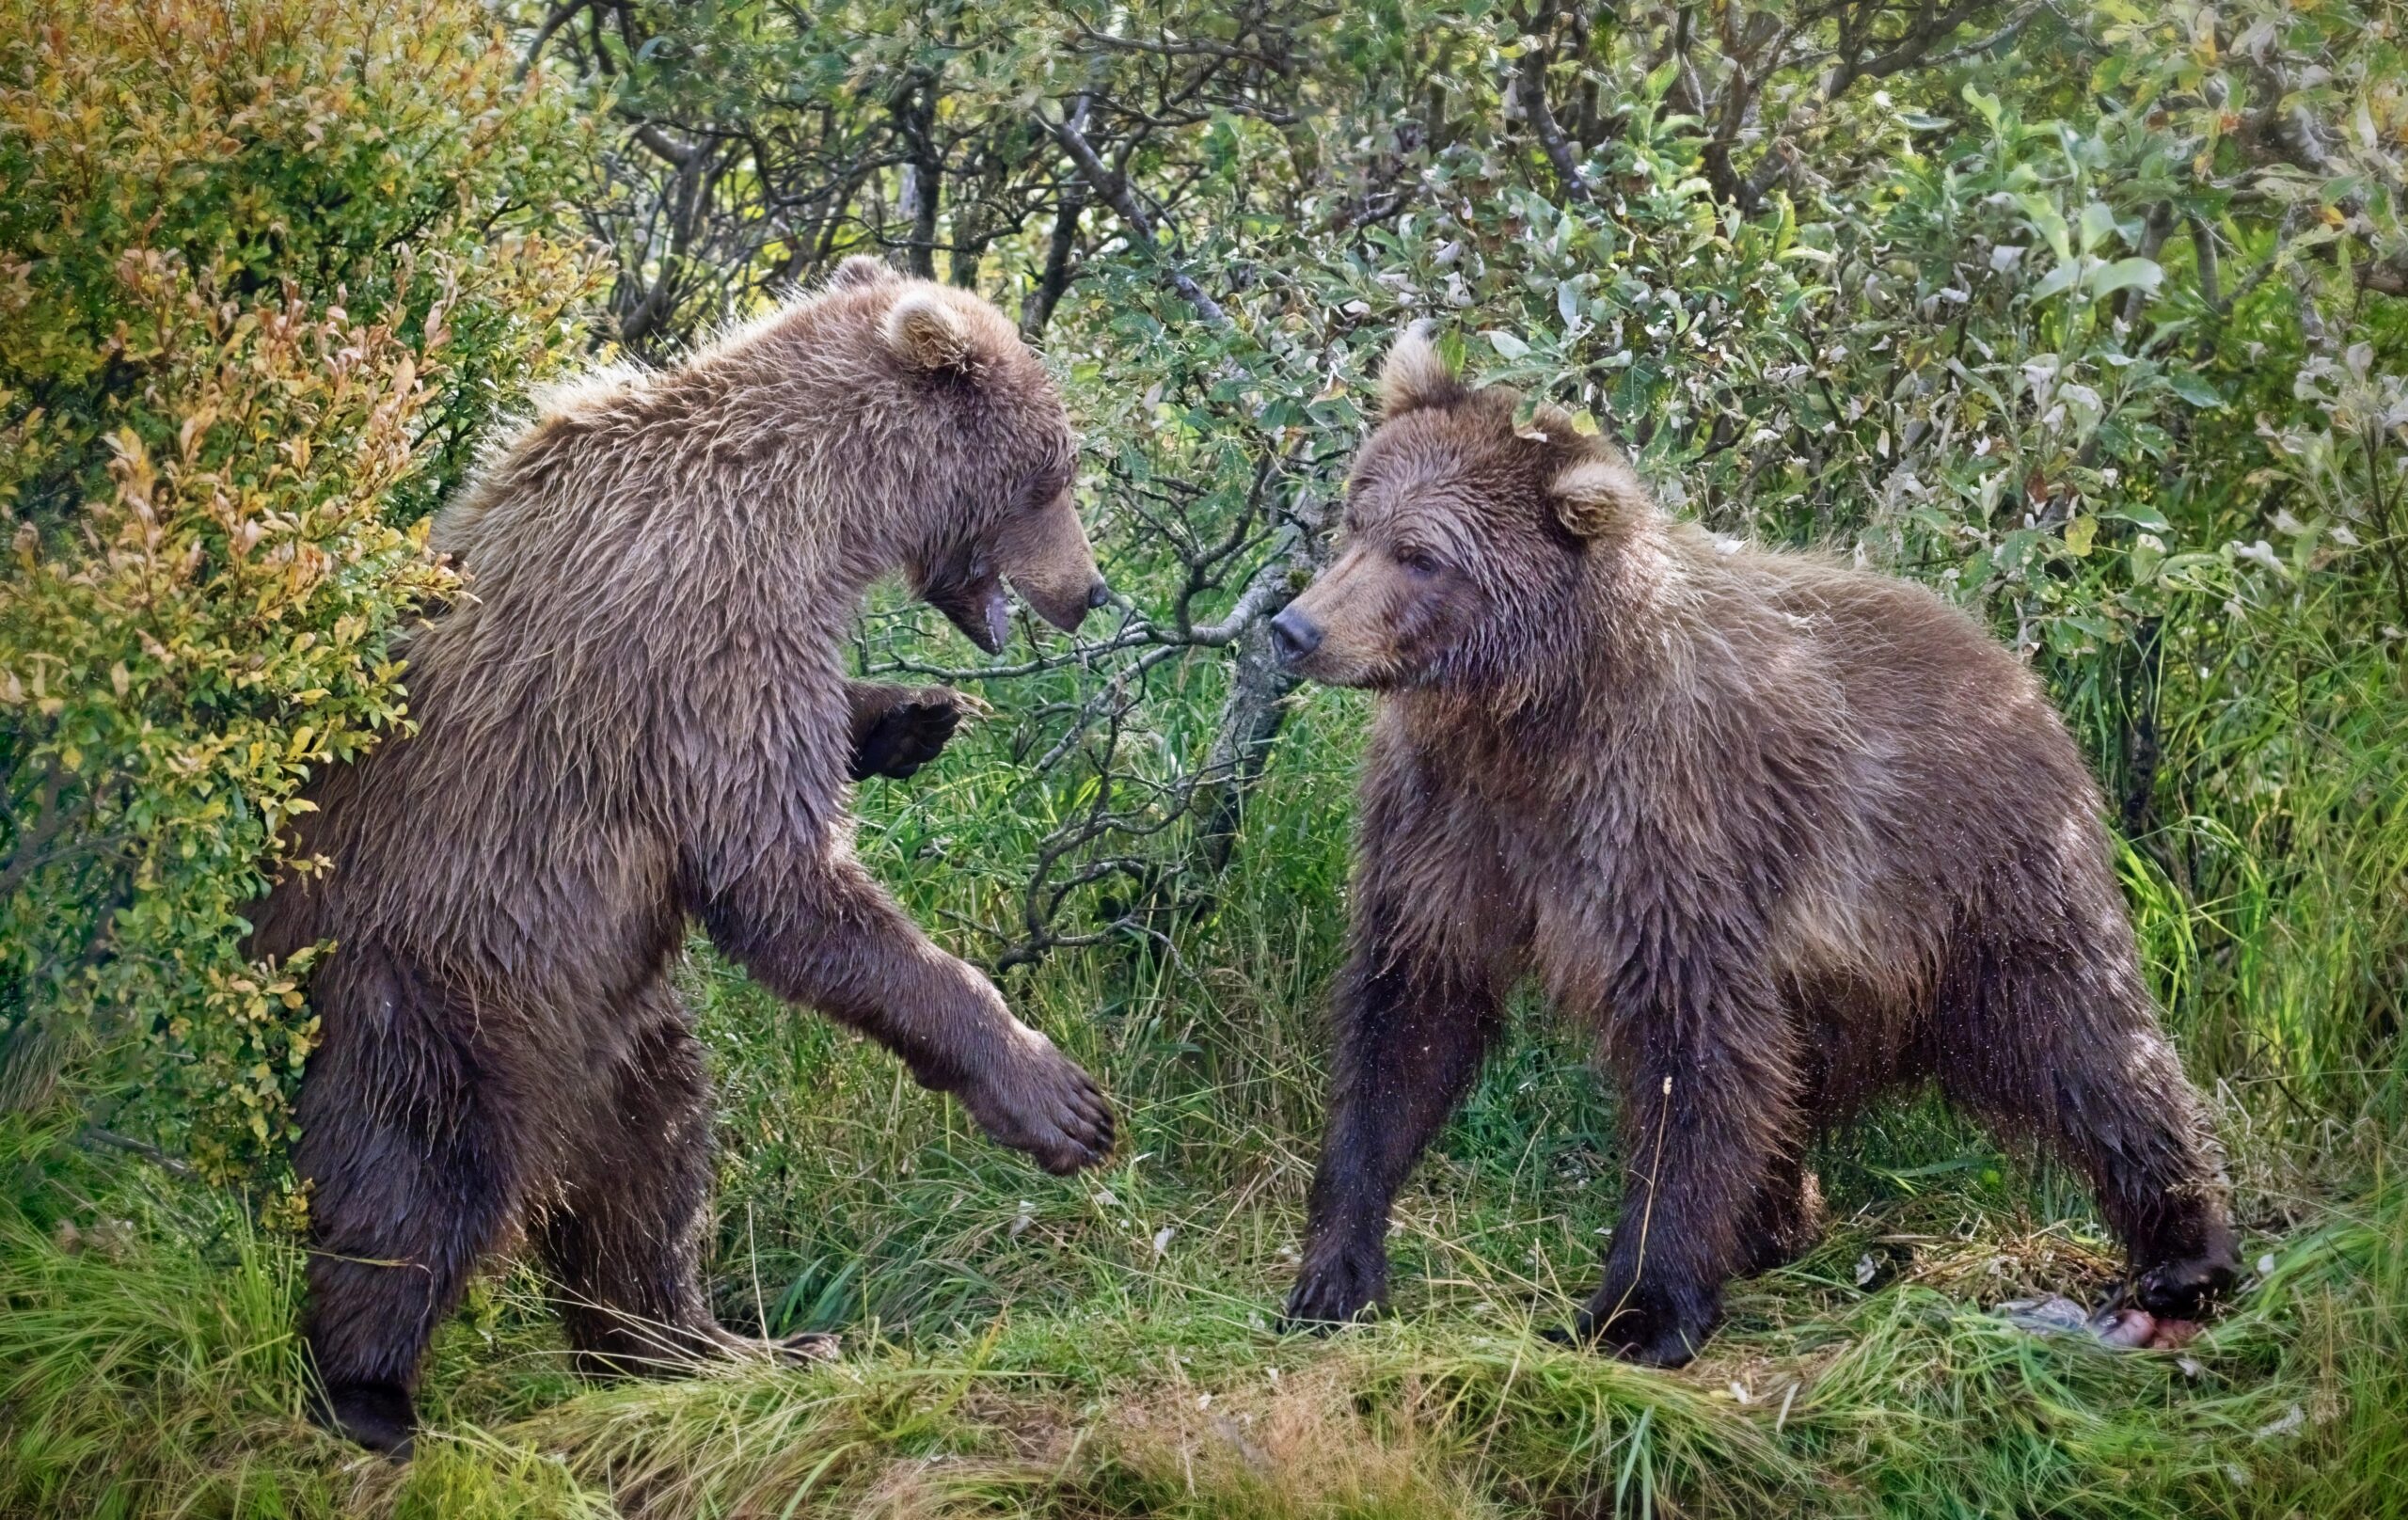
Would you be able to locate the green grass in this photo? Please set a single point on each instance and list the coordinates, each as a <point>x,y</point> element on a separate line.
<point>1101,1346</point>
<point>158,1375</point>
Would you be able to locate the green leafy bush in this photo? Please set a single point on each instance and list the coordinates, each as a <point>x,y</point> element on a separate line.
<point>265,267</point>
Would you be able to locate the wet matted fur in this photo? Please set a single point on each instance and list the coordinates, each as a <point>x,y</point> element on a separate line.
<point>1786,834</point>
<point>637,715</point>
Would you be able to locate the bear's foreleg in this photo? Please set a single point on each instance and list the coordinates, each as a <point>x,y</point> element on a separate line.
<point>416,1169</point>
<point>826,935</point>
<point>2060,1044</point>
<point>1709,1100</point>
<point>1411,1027</point>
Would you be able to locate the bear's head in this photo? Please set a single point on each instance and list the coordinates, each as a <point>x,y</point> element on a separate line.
<point>1470,547</point>
<point>990,455</point>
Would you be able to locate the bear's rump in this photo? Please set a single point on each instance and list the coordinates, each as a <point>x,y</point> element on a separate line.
<point>526,1053</point>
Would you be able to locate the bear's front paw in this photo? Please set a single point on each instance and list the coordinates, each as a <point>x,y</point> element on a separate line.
<point>2186,1289</point>
<point>378,1416</point>
<point>901,739</point>
<point>1039,1102</point>
<point>1338,1284</point>
<point>1649,1325</point>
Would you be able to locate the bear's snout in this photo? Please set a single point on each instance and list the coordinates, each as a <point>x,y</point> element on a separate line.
<point>1065,608</point>
<point>1293,635</point>
<point>1046,557</point>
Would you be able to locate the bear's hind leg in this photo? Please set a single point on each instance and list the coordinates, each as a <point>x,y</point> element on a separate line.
<point>2062,1045</point>
<point>415,1172</point>
<point>1787,1220</point>
<point>623,1236</point>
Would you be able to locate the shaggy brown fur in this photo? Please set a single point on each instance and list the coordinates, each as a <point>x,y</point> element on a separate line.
<point>1788,835</point>
<point>639,714</point>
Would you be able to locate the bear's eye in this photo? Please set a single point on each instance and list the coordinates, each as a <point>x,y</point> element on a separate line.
<point>1419,562</point>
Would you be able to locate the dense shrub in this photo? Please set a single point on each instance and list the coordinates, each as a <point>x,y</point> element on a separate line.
<point>265,267</point>
<point>2093,317</point>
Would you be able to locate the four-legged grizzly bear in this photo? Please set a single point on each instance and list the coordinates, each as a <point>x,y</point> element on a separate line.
<point>639,714</point>
<point>1788,835</point>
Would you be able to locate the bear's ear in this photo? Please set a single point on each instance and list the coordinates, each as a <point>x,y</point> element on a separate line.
<point>925,334</point>
<point>1597,495</point>
<point>1416,375</point>
<point>859,271</point>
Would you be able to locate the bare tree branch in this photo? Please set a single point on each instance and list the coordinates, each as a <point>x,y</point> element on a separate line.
<point>1530,82</point>
<point>1114,189</point>
<point>560,15</point>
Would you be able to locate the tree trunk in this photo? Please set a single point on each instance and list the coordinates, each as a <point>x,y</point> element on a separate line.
<point>1036,310</point>
<point>1251,718</point>
<point>915,116</point>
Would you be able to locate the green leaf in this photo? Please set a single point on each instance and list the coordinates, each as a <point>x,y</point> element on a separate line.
<point>2124,273</point>
<point>1987,105</point>
<point>2015,548</point>
<point>1508,346</point>
<point>2145,555</point>
<point>2057,281</point>
<point>2097,224</point>
<point>2050,223</point>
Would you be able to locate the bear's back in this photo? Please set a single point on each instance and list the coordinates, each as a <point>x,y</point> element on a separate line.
<point>1958,753</point>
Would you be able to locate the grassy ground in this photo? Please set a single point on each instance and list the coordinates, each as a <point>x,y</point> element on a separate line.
<point>1101,1346</point>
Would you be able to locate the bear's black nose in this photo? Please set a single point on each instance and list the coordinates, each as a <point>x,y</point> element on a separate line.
<point>1099,593</point>
<point>1294,636</point>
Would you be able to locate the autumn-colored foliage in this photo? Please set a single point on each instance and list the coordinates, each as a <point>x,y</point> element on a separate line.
<point>264,266</point>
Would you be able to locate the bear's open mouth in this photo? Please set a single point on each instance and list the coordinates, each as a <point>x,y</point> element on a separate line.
<point>977,608</point>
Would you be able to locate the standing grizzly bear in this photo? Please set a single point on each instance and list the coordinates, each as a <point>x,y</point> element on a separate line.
<point>639,713</point>
<point>1788,835</point>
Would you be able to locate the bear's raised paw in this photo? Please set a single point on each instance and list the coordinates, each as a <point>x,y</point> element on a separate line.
<point>1041,1102</point>
<point>907,735</point>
